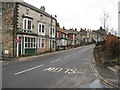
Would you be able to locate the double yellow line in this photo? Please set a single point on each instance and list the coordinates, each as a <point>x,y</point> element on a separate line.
<point>102,80</point>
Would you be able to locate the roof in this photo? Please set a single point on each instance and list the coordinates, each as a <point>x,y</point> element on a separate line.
<point>70,31</point>
<point>34,8</point>
<point>59,29</point>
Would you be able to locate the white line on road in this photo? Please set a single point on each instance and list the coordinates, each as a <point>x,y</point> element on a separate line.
<point>54,61</point>
<point>29,69</point>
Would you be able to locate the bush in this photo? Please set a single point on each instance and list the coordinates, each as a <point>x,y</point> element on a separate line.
<point>100,43</point>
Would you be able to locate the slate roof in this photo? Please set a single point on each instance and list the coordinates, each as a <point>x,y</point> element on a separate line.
<point>34,8</point>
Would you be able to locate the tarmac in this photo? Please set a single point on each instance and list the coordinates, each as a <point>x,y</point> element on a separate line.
<point>108,76</point>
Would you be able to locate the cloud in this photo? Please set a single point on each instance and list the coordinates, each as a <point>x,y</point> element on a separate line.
<point>79,13</point>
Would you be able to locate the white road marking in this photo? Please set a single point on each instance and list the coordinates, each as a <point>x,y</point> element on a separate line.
<point>57,70</point>
<point>29,69</point>
<point>70,71</point>
<point>49,69</point>
<point>54,61</point>
<point>53,69</point>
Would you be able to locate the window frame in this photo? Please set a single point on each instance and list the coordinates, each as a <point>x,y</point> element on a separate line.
<point>25,24</point>
<point>53,31</point>
<point>41,43</point>
<point>30,42</point>
<point>41,30</point>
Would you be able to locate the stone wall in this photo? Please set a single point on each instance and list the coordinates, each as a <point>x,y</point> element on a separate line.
<point>8,28</point>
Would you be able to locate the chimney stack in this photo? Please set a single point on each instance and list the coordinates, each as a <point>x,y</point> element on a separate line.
<point>42,8</point>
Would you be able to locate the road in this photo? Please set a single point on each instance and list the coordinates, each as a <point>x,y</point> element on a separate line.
<point>66,69</point>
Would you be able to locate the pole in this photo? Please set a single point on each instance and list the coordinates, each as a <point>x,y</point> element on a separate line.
<point>51,36</point>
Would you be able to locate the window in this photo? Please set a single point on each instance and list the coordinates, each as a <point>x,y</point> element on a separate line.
<point>51,44</point>
<point>41,28</point>
<point>27,24</point>
<point>41,43</point>
<point>52,31</point>
<point>24,24</point>
<point>30,42</point>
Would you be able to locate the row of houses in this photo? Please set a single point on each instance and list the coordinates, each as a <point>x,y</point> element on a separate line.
<point>73,37</point>
<point>28,30</point>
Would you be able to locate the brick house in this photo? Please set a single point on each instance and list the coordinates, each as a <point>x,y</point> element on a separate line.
<point>71,37</point>
<point>27,29</point>
<point>61,37</point>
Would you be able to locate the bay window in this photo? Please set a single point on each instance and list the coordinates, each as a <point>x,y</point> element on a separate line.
<point>30,42</point>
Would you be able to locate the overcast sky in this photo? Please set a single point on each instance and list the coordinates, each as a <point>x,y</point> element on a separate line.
<point>80,13</point>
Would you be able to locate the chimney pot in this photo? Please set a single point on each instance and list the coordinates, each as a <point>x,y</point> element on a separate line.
<point>42,8</point>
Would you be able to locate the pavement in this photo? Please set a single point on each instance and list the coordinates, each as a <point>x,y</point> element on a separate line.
<point>107,76</point>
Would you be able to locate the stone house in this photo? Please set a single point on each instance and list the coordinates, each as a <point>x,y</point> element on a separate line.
<point>89,36</point>
<point>27,29</point>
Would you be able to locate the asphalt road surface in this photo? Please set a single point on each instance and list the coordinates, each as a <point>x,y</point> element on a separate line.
<point>67,69</point>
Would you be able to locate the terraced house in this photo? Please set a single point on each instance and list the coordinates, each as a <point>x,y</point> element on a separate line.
<point>27,29</point>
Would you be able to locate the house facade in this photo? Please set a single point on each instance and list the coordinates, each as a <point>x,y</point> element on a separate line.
<point>61,38</point>
<point>71,37</point>
<point>0,30</point>
<point>29,30</point>
<point>91,36</point>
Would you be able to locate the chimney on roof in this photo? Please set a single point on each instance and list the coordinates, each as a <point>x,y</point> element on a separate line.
<point>63,28</point>
<point>100,28</point>
<point>42,8</point>
<point>75,29</point>
<point>58,25</point>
